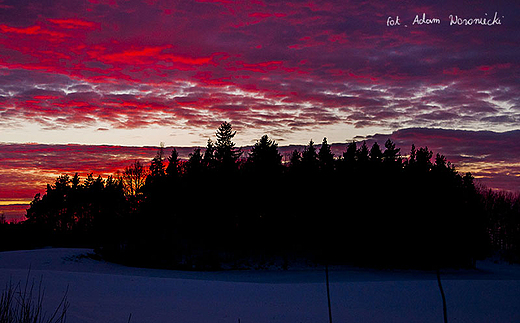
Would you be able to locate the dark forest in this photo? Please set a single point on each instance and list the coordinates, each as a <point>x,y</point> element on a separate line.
<point>227,209</point>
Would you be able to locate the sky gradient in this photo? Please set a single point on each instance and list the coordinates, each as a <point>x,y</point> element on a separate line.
<point>137,73</point>
<point>141,72</point>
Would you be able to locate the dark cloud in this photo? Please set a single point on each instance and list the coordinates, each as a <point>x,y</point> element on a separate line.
<point>492,157</point>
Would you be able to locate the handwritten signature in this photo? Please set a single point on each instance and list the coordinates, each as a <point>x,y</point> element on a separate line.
<point>454,20</point>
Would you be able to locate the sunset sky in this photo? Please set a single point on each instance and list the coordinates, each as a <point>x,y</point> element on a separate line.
<point>141,72</point>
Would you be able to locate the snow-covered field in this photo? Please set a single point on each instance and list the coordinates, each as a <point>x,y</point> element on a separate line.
<point>104,292</point>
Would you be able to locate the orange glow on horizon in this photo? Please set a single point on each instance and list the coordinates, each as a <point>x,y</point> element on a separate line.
<point>15,202</point>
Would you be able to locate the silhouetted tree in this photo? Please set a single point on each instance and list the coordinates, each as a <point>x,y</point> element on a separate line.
<point>326,158</point>
<point>362,155</point>
<point>424,157</point>
<point>194,165</point>
<point>391,155</point>
<point>349,156</point>
<point>114,217</point>
<point>75,181</point>
<point>295,160</point>
<point>310,158</point>
<point>265,158</point>
<point>173,169</point>
<point>92,192</point>
<point>375,155</point>
<point>209,160</point>
<point>226,154</point>
<point>133,178</point>
<point>157,165</point>
<point>348,163</point>
<point>444,172</point>
<point>412,159</point>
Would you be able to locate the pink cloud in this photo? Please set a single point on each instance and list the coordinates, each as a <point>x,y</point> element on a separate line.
<point>72,23</point>
<point>33,31</point>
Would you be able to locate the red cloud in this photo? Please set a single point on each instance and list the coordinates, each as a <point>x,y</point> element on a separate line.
<point>73,23</point>
<point>133,56</point>
<point>32,31</point>
<point>262,67</point>
<point>186,60</point>
<point>151,57</point>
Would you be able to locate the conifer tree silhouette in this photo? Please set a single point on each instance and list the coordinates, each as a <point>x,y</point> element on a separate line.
<point>391,156</point>
<point>226,154</point>
<point>362,155</point>
<point>173,169</point>
<point>310,158</point>
<point>194,165</point>
<point>265,158</point>
<point>157,165</point>
<point>423,158</point>
<point>209,160</point>
<point>347,164</point>
<point>326,158</point>
<point>295,161</point>
<point>375,155</point>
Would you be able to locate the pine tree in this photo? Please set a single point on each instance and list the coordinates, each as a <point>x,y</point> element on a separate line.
<point>424,157</point>
<point>264,156</point>
<point>209,156</point>
<point>295,161</point>
<point>376,156</point>
<point>172,171</point>
<point>194,165</point>
<point>225,152</point>
<point>75,182</point>
<point>157,165</point>
<point>349,156</point>
<point>310,158</point>
<point>391,155</point>
<point>326,157</point>
<point>413,157</point>
<point>362,155</point>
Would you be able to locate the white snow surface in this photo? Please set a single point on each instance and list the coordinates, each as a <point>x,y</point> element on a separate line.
<point>99,291</point>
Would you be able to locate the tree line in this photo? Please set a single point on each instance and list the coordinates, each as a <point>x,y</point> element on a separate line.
<point>223,208</point>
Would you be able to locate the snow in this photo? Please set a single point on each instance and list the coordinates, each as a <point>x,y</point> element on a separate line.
<point>99,291</point>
